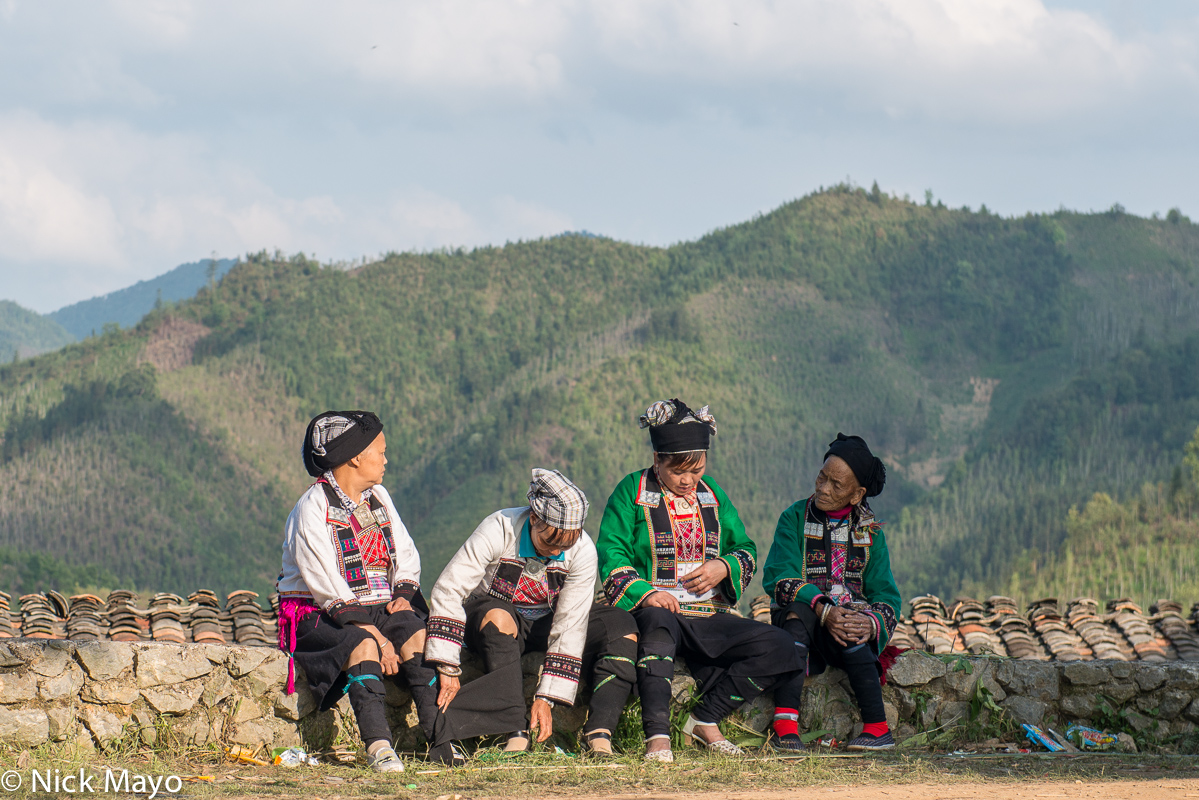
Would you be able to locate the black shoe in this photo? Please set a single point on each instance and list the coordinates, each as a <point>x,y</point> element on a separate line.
<point>449,754</point>
<point>865,741</point>
<point>788,742</point>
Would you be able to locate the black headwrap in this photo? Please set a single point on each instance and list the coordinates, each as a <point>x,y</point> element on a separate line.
<point>870,471</point>
<point>675,428</point>
<point>334,437</point>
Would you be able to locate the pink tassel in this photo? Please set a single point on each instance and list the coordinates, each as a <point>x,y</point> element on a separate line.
<point>291,611</point>
<point>887,659</point>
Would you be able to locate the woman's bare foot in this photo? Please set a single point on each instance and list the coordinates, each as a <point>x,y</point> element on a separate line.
<point>709,733</point>
<point>657,744</point>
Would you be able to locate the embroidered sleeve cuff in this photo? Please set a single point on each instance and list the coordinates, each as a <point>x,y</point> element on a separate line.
<point>786,590</point>
<point>560,678</point>
<point>443,640</point>
<point>885,621</point>
<point>405,589</point>
<point>795,590</point>
<point>624,588</point>
<point>348,614</point>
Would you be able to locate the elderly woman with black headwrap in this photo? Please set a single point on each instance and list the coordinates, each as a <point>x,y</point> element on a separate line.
<point>525,581</point>
<point>830,576</point>
<point>351,611</point>
<point>674,551</point>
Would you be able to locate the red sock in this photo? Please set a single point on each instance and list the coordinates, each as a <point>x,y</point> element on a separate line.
<point>786,721</point>
<point>876,728</point>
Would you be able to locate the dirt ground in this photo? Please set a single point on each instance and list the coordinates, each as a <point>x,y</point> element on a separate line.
<point>207,775</point>
<point>1079,789</point>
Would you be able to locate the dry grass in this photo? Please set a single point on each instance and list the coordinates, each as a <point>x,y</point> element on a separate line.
<point>207,774</point>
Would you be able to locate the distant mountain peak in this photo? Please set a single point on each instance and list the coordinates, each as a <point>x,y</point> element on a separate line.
<point>127,306</point>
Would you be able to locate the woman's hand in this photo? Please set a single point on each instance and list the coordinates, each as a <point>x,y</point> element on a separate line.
<point>848,627</point>
<point>447,690</point>
<point>389,659</point>
<point>541,719</point>
<point>660,599</point>
<point>399,604</point>
<point>707,577</point>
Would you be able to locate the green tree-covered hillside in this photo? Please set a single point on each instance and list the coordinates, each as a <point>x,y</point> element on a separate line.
<point>957,342</point>
<point>25,333</point>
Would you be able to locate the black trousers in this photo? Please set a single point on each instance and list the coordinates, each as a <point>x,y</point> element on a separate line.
<point>860,662</point>
<point>608,655</point>
<point>323,646</point>
<point>733,660</point>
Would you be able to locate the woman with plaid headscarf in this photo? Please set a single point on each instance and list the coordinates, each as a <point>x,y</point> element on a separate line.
<point>673,550</point>
<point>524,581</point>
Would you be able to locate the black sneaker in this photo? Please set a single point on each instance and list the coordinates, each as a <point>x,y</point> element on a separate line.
<point>788,742</point>
<point>865,741</point>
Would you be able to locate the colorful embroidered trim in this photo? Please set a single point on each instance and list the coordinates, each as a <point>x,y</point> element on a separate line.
<point>561,665</point>
<point>447,629</point>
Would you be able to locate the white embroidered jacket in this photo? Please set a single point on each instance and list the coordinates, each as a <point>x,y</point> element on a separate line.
<point>488,563</point>
<point>311,566</point>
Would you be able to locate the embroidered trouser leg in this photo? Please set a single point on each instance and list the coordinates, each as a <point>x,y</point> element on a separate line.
<point>614,672</point>
<point>859,661</point>
<point>364,685</point>
<point>659,634</point>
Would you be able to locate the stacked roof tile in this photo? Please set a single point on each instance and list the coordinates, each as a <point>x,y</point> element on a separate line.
<point>83,618</point>
<point>6,629</point>
<point>121,617</point>
<point>1045,631</point>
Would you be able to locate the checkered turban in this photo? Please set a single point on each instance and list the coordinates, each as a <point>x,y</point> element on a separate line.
<point>556,500</point>
<point>334,437</point>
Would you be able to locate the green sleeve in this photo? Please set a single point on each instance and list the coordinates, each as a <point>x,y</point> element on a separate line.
<point>617,547</point>
<point>736,548</point>
<point>783,574</point>
<point>878,584</point>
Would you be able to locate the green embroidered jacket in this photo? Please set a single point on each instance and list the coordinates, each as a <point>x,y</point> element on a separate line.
<point>796,568</point>
<point>636,545</point>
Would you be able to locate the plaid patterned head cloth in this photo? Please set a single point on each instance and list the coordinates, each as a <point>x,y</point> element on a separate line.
<point>556,500</point>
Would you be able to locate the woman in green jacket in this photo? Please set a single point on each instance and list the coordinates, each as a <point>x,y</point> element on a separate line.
<point>673,551</point>
<point>830,576</point>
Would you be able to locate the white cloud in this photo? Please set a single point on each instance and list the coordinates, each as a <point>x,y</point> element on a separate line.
<point>147,133</point>
<point>104,205</point>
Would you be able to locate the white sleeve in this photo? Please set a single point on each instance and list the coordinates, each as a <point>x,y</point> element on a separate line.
<point>446,629</point>
<point>568,634</point>
<point>405,570</point>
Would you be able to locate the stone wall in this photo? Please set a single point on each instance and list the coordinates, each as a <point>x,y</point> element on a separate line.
<point>97,694</point>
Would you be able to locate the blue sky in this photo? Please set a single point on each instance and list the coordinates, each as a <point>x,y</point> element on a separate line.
<point>138,135</point>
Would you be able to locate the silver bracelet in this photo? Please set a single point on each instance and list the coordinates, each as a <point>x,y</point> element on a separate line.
<point>449,670</point>
<point>824,613</point>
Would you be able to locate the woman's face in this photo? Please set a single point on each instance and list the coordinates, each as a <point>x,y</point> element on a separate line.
<point>680,480</point>
<point>836,486</point>
<point>372,462</point>
<point>539,531</point>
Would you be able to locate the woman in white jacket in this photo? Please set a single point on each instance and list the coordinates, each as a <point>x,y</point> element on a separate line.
<point>525,581</point>
<point>351,612</point>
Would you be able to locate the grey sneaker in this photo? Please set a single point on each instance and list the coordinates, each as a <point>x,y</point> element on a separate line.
<point>865,741</point>
<point>385,760</point>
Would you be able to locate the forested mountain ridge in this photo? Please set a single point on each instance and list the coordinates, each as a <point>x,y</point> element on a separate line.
<point>125,307</point>
<point>172,448</point>
<point>25,333</point>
